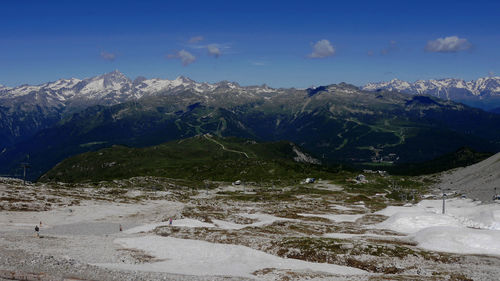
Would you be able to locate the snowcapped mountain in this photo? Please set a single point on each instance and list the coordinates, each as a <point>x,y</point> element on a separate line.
<point>3,88</point>
<point>113,88</point>
<point>483,93</point>
<point>26,109</point>
<point>52,121</point>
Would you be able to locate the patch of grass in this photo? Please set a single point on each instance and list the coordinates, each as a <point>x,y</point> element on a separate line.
<point>373,203</point>
<point>272,195</point>
<point>196,159</point>
<point>371,219</point>
<point>372,266</point>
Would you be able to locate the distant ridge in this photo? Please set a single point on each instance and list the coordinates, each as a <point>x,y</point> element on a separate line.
<point>483,92</point>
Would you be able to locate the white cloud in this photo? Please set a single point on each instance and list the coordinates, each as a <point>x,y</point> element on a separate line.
<point>449,44</point>
<point>322,49</point>
<point>108,56</point>
<point>213,50</point>
<point>195,39</point>
<point>185,57</point>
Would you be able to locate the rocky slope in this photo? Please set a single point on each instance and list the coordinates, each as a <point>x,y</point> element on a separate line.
<point>477,181</point>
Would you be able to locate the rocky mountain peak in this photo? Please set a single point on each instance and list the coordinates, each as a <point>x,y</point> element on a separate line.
<point>138,80</point>
<point>184,80</point>
<point>2,87</point>
<point>114,77</point>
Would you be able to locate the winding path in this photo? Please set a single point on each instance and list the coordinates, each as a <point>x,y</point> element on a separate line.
<point>224,148</point>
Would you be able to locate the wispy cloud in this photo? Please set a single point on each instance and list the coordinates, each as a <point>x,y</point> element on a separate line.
<point>258,63</point>
<point>450,44</point>
<point>185,57</point>
<point>195,39</point>
<point>393,46</point>
<point>214,50</point>
<point>322,49</point>
<point>108,56</point>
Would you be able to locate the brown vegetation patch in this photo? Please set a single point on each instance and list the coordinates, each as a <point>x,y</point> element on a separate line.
<point>140,256</point>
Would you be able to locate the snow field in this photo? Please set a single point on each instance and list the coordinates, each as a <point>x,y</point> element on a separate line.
<point>263,219</point>
<point>194,257</point>
<point>466,227</point>
<point>459,240</point>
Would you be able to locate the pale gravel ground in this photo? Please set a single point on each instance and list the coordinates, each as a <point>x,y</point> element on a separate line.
<point>58,268</point>
<point>66,250</point>
<point>60,253</point>
<point>75,236</point>
<point>71,240</point>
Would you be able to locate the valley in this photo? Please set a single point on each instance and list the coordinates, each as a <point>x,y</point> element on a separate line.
<point>249,140</point>
<point>336,124</point>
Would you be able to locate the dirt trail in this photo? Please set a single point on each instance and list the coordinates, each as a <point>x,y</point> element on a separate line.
<point>226,149</point>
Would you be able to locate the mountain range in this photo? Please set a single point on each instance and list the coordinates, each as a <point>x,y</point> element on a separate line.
<point>334,123</point>
<point>26,109</point>
<point>483,93</point>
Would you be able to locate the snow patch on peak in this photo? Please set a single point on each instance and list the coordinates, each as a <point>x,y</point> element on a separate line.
<point>62,83</point>
<point>396,80</point>
<point>448,88</point>
<point>184,82</point>
<point>93,86</point>
<point>114,87</point>
<point>2,87</point>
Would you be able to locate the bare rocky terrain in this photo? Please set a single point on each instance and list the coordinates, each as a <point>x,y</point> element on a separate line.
<point>477,181</point>
<point>323,223</point>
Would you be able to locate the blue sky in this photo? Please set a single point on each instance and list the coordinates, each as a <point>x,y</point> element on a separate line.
<point>281,43</point>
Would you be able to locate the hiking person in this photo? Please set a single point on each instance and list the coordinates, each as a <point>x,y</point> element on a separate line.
<point>170,221</point>
<point>121,227</point>
<point>37,230</point>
